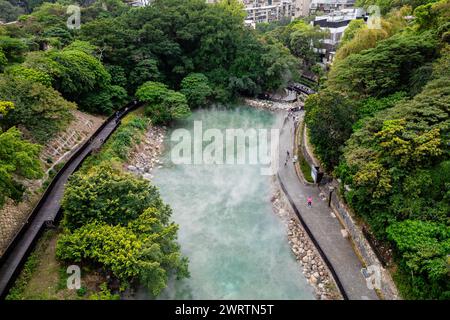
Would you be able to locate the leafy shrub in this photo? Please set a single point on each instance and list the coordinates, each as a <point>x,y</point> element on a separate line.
<point>108,195</point>
<point>18,158</point>
<point>163,105</point>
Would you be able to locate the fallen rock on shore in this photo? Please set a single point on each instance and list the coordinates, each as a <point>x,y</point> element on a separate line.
<point>145,156</point>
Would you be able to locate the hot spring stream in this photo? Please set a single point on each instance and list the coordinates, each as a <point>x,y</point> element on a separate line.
<point>237,247</point>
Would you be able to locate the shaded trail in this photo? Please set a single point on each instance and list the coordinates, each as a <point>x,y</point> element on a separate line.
<point>47,210</point>
<point>325,229</point>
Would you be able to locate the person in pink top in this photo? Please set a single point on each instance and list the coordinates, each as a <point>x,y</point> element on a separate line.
<point>309,202</point>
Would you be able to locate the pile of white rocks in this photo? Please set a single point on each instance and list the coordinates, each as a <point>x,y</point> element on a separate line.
<point>313,267</point>
<point>259,104</point>
<point>145,156</point>
<point>271,105</point>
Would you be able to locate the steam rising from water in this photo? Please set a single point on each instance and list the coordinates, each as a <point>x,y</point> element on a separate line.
<point>237,247</point>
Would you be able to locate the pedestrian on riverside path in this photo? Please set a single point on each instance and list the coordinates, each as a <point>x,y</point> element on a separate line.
<point>309,202</point>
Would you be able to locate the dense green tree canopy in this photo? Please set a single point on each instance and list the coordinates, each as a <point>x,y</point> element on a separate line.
<point>196,89</point>
<point>163,104</point>
<point>8,12</point>
<point>18,159</point>
<point>384,69</point>
<point>39,109</point>
<point>108,195</point>
<point>120,222</point>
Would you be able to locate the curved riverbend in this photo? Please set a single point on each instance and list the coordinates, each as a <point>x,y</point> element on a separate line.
<point>237,246</point>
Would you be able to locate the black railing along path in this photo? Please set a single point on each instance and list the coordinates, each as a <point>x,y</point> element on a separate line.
<point>48,209</point>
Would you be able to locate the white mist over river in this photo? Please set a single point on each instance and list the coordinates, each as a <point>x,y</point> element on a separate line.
<point>237,247</point>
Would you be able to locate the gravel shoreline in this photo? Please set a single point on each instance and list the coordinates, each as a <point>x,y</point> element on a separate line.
<point>146,155</point>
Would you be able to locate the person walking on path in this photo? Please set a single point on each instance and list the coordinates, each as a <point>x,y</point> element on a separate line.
<point>309,202</point>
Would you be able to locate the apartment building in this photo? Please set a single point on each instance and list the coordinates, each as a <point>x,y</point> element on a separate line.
<point>335,22</point>
<point>268,10</point>
<point>328,6</point>
<point>301,8</point>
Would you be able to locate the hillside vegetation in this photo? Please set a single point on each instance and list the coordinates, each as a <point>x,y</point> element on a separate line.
<point>381,124</point>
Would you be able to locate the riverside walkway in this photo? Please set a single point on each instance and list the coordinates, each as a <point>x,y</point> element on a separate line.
<point>324,227</point>
<point>49,206</point>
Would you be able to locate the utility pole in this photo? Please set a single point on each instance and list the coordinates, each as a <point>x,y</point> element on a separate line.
<point>331,188</point>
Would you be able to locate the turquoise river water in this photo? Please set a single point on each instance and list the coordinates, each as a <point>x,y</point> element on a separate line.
<point>237,247</point>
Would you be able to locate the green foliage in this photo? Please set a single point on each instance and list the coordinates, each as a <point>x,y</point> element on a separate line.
<point>360,37</point>
<point>196,89</point>
<point>30,266</point>
<point>164,105</point>
<point>385,69</point>
<point>387,5</point>
<point>42,62</point>
<point>8,12</point>
<point>171,39</point>
<point>3,60</point>
<point>353,27</point>
<point>105,101</point>
<point>300,37</point>
<point>33,75</point>
<point>278,63</point>
<point>305,167</point>
<point>45,16</point>
<point>105,194</point>
<point>78,75</point>
<point>81,73</point>
<point>425,247</point>
<point>118,76</point>
<point>83,46</point>
<point>118,147</point>
<point>104,294</point>
<point>371,106</point>
<point>152,92</point>
<point>13,49</point>
<point>18,159</point>
<point>120,222</point>
<point>59,35</point>
<point>145,70</point>
<point>5,106</point>
<point>39,109</point>
<point>329,117</point>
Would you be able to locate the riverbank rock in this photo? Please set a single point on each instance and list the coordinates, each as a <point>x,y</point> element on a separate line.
<point>310,261</point>
<point>272,105</point>
<point>145,156</point>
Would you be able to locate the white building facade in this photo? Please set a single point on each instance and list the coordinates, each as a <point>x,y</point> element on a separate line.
<point>335,22</point>
<point>301,8</point>
<point>268,10</point>
<point>327,6</point>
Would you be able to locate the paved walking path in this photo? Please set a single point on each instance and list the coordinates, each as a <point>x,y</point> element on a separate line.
<point>325,228</point>
<point>47,212</point>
